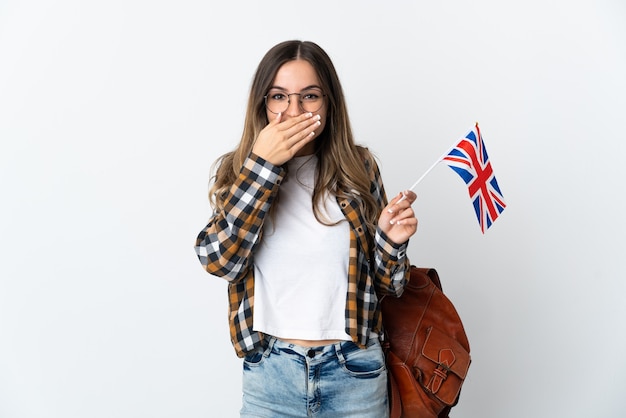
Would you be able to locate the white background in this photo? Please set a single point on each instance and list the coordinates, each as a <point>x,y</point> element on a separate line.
<point>111,114</point>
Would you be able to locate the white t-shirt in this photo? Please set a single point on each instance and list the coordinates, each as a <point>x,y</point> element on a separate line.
<point>301,265</point>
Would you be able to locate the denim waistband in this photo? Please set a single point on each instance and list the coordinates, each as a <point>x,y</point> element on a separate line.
<point>317,352</point>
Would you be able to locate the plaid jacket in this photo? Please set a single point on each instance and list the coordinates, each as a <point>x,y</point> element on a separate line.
<point>225,247</point>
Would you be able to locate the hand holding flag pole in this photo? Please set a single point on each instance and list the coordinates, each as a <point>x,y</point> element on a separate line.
<point>469,159</point>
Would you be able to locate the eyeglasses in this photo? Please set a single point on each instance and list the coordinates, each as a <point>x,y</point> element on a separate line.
<point>311,100</point>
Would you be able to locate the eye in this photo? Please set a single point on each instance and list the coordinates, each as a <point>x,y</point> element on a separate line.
<point>311,95</point>
<point>278,96</point>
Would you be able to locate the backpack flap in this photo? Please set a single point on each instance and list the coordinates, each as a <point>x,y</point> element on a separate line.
<point>444,363</point>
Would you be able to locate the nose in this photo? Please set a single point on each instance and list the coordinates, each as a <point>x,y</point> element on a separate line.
<point>293,107</point>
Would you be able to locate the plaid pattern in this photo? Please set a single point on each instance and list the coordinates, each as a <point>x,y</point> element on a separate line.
<point>225,247</point>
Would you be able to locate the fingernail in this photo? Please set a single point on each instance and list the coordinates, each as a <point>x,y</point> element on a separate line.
<point>308,115</point>
<point>389,210</point>
<point>318,117</point>
<point>391,222</point>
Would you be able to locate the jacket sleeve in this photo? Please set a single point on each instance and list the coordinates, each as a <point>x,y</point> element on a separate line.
<point>225,245</point>
<point>391,265</point>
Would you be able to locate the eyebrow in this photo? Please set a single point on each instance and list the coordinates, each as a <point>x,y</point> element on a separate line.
<point>312,86</point>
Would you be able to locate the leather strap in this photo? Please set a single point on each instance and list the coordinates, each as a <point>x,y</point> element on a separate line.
<point>394,398</point>
<point>446,359</point>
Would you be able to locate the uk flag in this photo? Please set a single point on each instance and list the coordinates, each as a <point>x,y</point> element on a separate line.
<point>469,160</point>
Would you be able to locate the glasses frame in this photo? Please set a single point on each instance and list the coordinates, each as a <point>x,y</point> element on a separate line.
<point>289,102</point>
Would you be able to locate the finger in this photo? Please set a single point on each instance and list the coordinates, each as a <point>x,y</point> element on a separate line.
<point>403,222</point>
<point>276,120</point>
<point>304,135</point>
<point>405,214</point>
<point>293,121</point>
<point>399,198</point>
<point>300,124</point>
<point>408,196</point>
<point>402,201</point>
<point>300,140</point>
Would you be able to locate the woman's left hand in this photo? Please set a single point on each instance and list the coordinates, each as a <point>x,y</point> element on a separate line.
<point>397,220</point>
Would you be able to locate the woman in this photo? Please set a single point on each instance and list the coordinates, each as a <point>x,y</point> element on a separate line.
<point>304,235</point>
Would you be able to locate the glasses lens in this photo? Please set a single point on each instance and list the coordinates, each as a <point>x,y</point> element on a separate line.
<point>310,100</point>
<point>276,102</point>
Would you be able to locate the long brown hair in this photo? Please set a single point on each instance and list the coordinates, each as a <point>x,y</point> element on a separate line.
<point>340,169</point>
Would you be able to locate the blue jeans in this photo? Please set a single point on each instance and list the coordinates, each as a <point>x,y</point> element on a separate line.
<point>337,380</point>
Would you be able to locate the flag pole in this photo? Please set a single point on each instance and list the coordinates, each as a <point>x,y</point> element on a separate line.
<point>425,174</point>
<point>430,169</point>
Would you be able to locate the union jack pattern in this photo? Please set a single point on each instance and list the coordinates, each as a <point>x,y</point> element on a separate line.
<point>469,160</point>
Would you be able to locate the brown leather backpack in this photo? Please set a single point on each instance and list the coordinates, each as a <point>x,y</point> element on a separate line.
<point>426,348</point>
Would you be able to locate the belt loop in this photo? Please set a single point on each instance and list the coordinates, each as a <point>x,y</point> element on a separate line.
<point>269,347</point>
<point>339,353</point>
